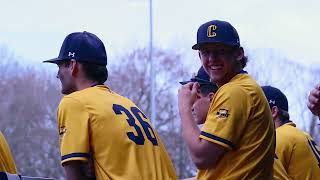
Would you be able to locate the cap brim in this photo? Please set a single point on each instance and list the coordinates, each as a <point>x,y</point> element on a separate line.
<point>184,82</point>
<point>198,45</point>
<point>201,81</point>
<point>55,60</point>
<point>198,80</point>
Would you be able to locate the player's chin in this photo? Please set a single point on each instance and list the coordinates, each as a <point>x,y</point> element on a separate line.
<point>216,76</point>
<point>65,91</point>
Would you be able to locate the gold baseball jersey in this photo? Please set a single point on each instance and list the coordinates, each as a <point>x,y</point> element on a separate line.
<point>298,153</point>
<point>240,120</point>
<point>115,132</point>
<point>279,173</point>
<point>6,160</point>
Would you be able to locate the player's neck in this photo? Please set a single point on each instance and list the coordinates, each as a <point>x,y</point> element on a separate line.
<point>277,122</point>
<point>85,83</point>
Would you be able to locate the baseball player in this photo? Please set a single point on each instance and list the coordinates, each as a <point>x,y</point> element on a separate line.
<point>96,122</point>
<point>296,150</point>
<point>314,100</point>
<point>201,106</point>
<point>237,139</point>
<point>204,97</point>
<point>6,160</point>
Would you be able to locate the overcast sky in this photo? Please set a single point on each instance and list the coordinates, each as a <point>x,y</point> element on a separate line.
<point>35,29</point>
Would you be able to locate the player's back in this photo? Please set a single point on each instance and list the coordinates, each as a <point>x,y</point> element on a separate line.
<point>123,143</point>
<point>6,160</point>
<point>298,153</point>
<point>279,173</point>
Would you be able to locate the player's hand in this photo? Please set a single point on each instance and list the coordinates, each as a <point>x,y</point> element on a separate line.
<point>187,95</point>
<point>314,100</point>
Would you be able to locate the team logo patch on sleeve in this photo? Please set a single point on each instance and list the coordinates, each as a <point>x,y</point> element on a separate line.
<point>62,131</point>
<point>223,113</point>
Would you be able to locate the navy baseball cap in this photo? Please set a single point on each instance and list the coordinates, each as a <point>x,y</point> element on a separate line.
<point>202,77</point>
<point>82,47</point>
<point>216,31</point>
<point>275,97</point>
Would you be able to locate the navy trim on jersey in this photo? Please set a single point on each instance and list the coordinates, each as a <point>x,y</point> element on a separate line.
<point>8,176</point>
<point>3,176</point>
<point>72,155</point>
<point>96,84</point>
<point>243,72</point>
<point>229,143</point>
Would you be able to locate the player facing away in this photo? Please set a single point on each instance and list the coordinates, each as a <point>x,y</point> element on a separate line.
<point>96,123</point>
<point>7,163</point>
<point>237,139</point>
<point>296,150</point>
<point>204,96</point>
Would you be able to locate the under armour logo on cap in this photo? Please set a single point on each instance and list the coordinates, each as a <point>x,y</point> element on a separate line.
<point>275,97</point>
<point>71,54</point>
<point>82,47</point>
<point>272,101</point>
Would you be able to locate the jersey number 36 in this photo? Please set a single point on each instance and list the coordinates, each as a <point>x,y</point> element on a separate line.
<point>135,112</point>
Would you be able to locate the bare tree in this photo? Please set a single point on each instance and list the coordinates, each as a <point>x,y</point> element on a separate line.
<point>29,98</point>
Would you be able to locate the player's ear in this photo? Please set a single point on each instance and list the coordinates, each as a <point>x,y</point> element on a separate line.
<point>239,53</point>
<point>211,95</point>
<point>74,65</point>
<point>274,112</point>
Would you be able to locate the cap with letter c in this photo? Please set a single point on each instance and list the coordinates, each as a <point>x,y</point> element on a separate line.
<point>82,47</point>
<point>216,31</point>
